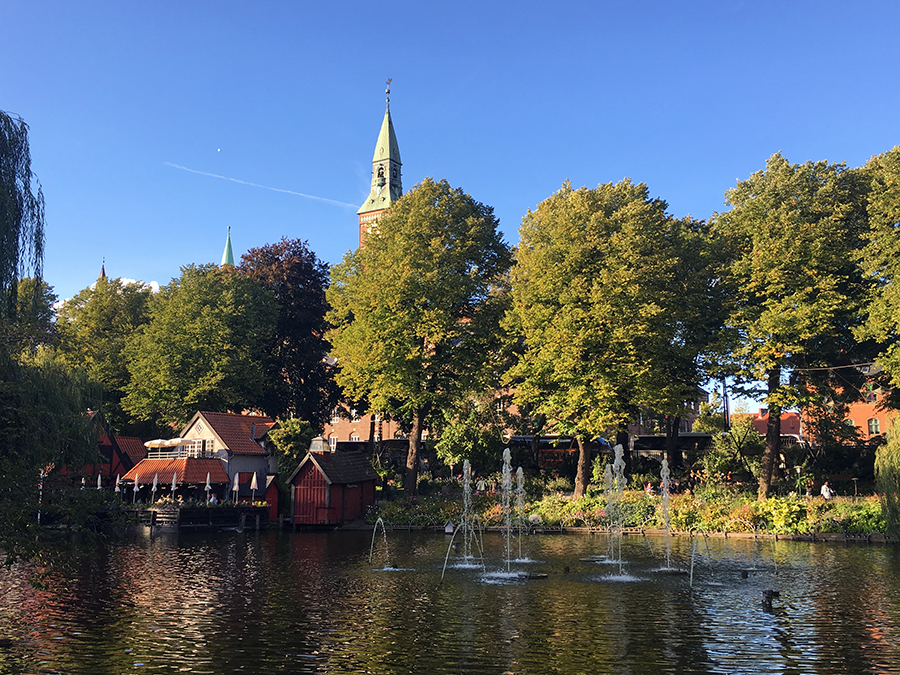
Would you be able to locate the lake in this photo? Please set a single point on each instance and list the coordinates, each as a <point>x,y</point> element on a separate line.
<point>311,602</point>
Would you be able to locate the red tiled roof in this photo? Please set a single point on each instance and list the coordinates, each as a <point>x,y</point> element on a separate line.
<point>190,470</point>
<point>240,433</point>
<point>133,447</point>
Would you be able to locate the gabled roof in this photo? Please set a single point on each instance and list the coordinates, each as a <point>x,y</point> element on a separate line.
<point>133,447</point>
<point>339,468</point>
<point>239,433</point>
<point>190,470</point>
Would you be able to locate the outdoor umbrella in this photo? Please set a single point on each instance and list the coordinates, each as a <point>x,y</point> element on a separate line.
<point>153,491</point>
<point>174,482</point>
<point>208,486</point>
<point>99,481</point>
<point>235,487</point>
<point>118,479</point>
<point>137,486</point>
<point>254,486</point>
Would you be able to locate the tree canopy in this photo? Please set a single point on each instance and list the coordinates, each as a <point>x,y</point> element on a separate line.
<point>794,288</point>
<point>416,310</point>
<point>205,347</point>
<point>611,297</point>
<point>93,329</point>
<point>300,382</point>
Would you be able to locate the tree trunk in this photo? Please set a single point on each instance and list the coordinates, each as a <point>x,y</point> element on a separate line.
<point>412,456</point>
<point>537,426</point>
<point>582,477</point>
<point>371,443</point>
<point>673,454</point>
<point>773,436</point>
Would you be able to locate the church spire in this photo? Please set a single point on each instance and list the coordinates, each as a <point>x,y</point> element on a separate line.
<point>228,255</point>
<point>386,180</point>
<point>103,269</point>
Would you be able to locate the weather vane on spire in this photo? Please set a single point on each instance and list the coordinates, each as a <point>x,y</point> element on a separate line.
<point>387,91</point>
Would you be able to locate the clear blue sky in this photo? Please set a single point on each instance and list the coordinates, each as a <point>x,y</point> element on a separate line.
<point>504,99</point>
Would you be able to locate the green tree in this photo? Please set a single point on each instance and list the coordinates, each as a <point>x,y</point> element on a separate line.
<point>711,419</point>
<point>291,438</point>
<point>93,329</point>
<point>43,406</point>
<point>793,285</point>
<point>43,403</point>
<point>204,348</point>
<point>474,429</point>
<point>34,312</point>
<point>887,476</point>
<point>881,261</point>
<point>301,382</point>
<point>416,309</point>
<point>21,220</point>
<point>609,295</point>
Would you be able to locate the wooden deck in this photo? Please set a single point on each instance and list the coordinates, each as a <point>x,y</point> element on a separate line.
<point>205,519</point>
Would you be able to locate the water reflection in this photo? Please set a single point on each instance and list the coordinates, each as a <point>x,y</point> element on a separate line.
<point>311,603</point>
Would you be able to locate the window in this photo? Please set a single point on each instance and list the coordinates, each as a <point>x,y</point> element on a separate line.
<point>376,437</point>
<point>849,423</point>
<point>354,415</point>
<point>332,442</point>
<point>335,415</point>
<point>354,437</point>
<point>874,426</point>
<point>378,417</point>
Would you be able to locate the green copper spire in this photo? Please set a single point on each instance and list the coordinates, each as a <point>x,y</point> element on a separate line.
<point>228,255</point>
<point>386,185</point>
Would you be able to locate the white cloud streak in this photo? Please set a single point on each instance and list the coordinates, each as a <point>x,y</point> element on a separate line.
<point>264,187</point>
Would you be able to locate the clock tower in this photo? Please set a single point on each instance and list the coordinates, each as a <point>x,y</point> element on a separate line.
<point>386,186</point>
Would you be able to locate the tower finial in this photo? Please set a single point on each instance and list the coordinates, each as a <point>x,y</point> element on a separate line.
<point>387,91</point>
<point>103,268</point>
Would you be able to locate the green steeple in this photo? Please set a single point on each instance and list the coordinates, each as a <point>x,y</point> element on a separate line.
<point>386,185</point>
<point>228,255</point>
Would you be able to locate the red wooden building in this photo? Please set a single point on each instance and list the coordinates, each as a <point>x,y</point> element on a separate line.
<point>330,488</point>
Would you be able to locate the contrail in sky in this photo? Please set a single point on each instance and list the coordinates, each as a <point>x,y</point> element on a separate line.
<point>265,187</point>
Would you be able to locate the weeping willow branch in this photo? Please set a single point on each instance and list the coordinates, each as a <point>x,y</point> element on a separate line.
<point>21,212</point>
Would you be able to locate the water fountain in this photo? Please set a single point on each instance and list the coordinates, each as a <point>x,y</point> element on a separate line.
<point>387,559</point>
<point>466,526</point>
<point>664,497</point>
<point>520,508</point>
<point>505,502</point>
<point>615,488</point>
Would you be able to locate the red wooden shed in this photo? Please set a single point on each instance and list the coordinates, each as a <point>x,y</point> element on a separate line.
<point>330,488</point>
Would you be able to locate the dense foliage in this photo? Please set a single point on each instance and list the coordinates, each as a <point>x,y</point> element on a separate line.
<point>416,309</point>
<point>614,300</point>
<point>205,347</point>
<point>93,329</point>
<point>299,382</point>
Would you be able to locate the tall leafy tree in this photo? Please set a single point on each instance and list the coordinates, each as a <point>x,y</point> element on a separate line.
<point>93,329</point>
<point>793,284</point>
<point>205,347</point>
<point>881,261</point>
<point>21,219</point>
<point>608,294</point>
<point>43,405</point>
<point>416,310</point>
<point>34,312</point>
<point>301,382</point>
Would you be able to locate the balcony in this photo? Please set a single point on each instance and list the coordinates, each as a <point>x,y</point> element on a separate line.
<point>180,448</point>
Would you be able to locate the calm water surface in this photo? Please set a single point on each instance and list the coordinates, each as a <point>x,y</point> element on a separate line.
<point>281,602</point>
